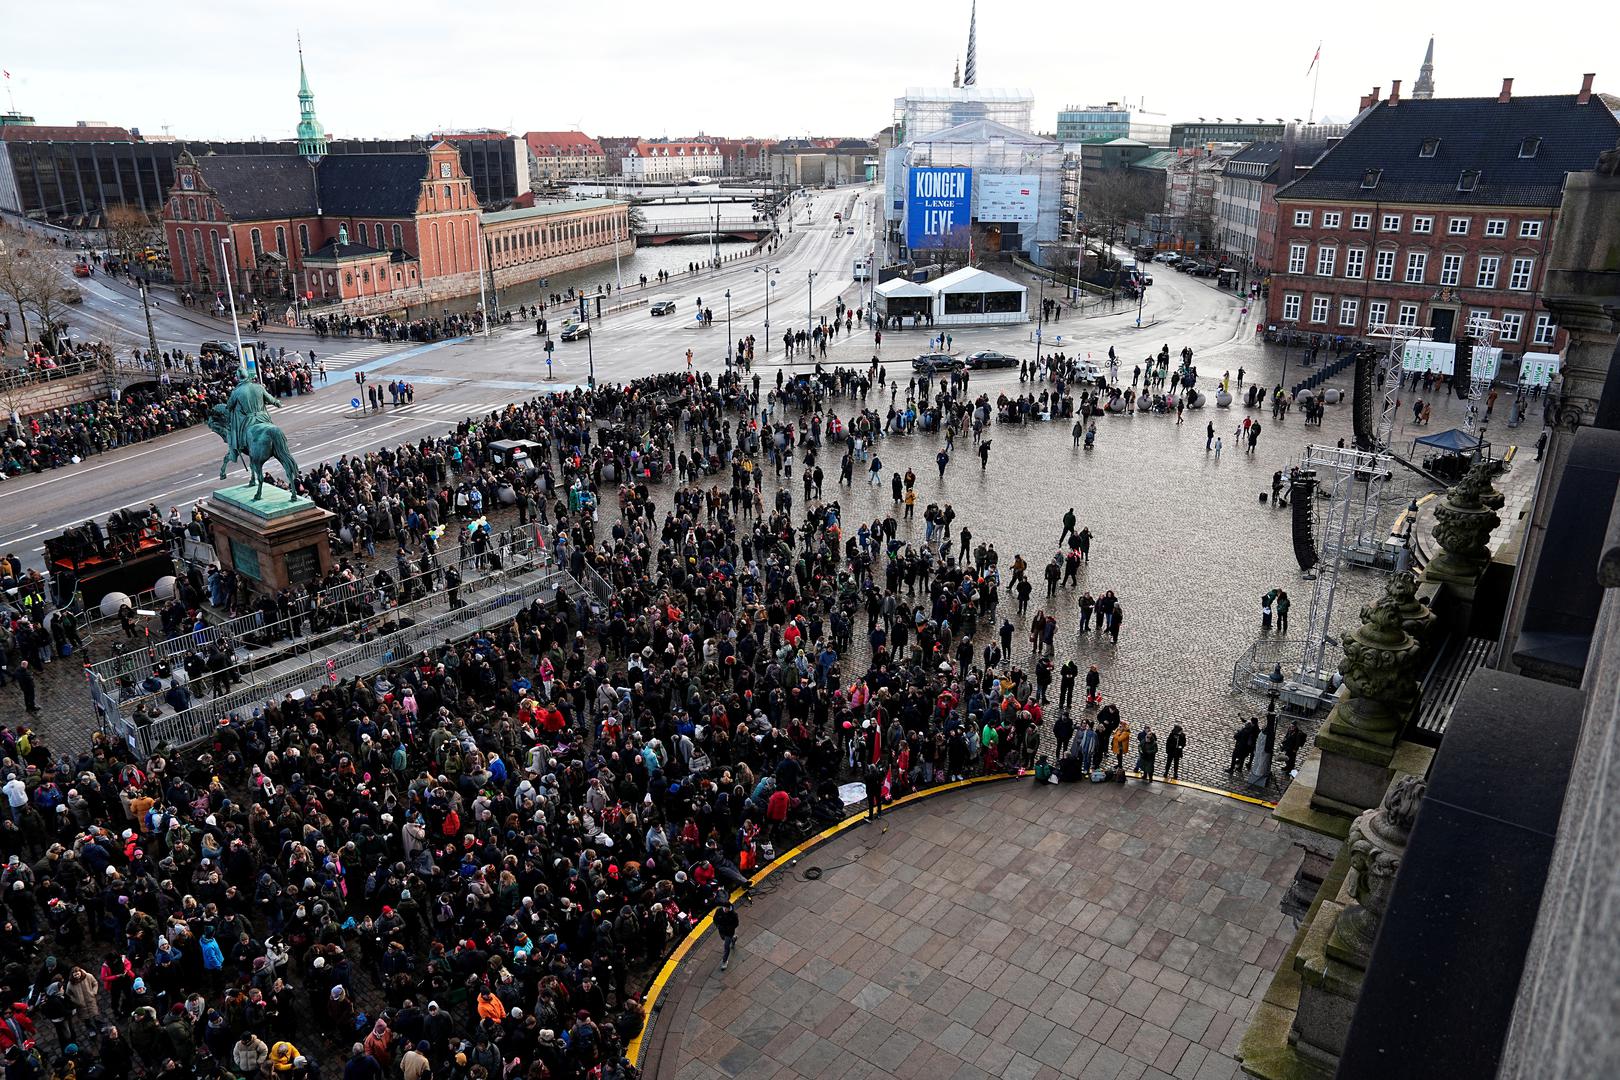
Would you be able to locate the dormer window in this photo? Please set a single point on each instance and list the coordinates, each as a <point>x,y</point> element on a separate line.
<point>1530,146</point>
<point>1429,148</point>
<point>1468,180</point>
<point>1370,178</point>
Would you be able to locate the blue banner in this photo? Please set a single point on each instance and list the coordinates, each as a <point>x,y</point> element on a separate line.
<point>938,207</point>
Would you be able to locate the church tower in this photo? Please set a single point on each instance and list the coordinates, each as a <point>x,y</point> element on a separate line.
<point>970,76</point>
<point>311,139</point>
<point>1423,89</point>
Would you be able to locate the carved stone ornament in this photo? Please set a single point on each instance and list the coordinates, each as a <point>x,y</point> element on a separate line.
<point>1379,669</point>
<point>1416,617</point>
<point>1464,523</point>
<point>1377,842</point>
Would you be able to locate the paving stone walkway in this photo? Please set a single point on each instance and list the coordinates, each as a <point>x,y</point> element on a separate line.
<point>1011,930</point>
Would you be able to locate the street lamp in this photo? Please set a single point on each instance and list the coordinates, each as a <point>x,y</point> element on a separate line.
<point>810,307</point>
<point>770,281</point>
<point>728,329</point>
<point>1288,333</point>
<point>228,272</point>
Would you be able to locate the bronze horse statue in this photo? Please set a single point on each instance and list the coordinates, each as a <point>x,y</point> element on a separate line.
<point>262,442</point>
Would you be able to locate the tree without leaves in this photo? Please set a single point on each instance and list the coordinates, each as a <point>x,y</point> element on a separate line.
<point>130,230</point>
<point>25,275</point>
<point>1115,199</point>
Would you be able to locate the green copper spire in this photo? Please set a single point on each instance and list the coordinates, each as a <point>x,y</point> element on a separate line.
<point>311,138</point>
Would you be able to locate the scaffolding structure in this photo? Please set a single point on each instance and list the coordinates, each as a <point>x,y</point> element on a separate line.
<point>1350,485</point>
<point>1391,370</point>
<point>925,110</point>
<point>1480,375</point>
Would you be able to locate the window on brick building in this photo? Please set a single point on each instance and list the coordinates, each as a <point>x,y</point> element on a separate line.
<point>1331,219</point>
<point>1496,226</point>
<point>1519,275</point>
<point>1457,226</point>
<point>1529,230</point>
<point>256,239</point>
<point>1408,315</point>
<point>1319,308</point>
<point>303,239</point>
<point>1489,265</point>
<point>281,241</point>
<point>1349,309</point>
<point>399,236</point>
<point>1390,223</point>
<point>1416,263</point>
<point>1355,261</point>
<point>1422,223</point>
<point>1290,308</point>
<point>1296,257</point>
<point>1546,330</point>
<point>1450,268</point>
<point>1361,221</point>
<point>1325,259</point>
<point>1377,313</point>
<point>1384,265</point>
<point>1302,219</point>
<point>1512,326</point>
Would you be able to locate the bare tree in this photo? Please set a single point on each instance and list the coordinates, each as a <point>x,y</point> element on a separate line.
<point>130,230</point>
<point>1115,199</point>
<point>25,274</point>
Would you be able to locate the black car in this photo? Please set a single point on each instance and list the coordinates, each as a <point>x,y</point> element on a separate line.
<point>217,348</point>
<point>663,307</point>
<point>576,331</point>
<point>984,361</point>
<point>929,363</point>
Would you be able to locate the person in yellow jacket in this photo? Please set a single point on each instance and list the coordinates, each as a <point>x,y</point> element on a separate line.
<point>1120,744</point>
<point>282,1056</point>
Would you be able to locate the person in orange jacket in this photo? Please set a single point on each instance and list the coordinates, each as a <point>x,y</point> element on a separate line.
<point>1120,744</point>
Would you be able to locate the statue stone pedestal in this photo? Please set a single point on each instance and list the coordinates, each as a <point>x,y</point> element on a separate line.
<point>273,542</point>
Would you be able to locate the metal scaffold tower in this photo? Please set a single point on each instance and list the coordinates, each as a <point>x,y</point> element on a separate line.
<point>1483,361</point>
<point>1350,483</point>
<point>1390,370</point>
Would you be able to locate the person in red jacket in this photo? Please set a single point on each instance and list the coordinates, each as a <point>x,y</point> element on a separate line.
<point>17,1027</point>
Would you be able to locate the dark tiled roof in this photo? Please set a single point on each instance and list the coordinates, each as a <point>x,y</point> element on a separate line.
<point>254,186</point>
<point>332,250</point>
<point>251,186</point>
<point>385,185</point>
<point>1474,133</point>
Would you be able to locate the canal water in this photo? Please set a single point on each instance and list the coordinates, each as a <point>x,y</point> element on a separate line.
<point>674,258</point>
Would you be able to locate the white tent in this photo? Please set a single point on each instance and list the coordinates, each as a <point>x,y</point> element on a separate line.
<point>903,297</point>
<point>973,297</point>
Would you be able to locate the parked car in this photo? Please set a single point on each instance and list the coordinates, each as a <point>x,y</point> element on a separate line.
<point>663,307</point>
<point>576,331</point>
<point>1169,258</point>
<point>850,231</point>
<point>81,269</point>
<point>984,361</point>
<point>1206,270</point>
<point>929,363</point>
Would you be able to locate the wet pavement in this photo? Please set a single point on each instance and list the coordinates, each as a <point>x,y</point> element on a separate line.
<point>1014,930</point>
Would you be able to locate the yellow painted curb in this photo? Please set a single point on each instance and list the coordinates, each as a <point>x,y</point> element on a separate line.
<point>695,935</point>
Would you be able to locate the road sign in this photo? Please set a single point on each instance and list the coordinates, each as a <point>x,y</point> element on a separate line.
<point>354,403</point>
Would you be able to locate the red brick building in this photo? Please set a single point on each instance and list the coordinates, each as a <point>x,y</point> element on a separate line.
<point>376,231</point>
<point>1433,212</point>
<point>556,156</point>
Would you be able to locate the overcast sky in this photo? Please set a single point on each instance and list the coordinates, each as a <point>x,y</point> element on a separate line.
<point>226,68</point>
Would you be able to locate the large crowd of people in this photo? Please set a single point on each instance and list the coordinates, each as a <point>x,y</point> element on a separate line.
<point>467,863</point>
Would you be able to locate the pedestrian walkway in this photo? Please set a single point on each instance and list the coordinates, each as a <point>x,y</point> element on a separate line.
<point>357,354</point>
<point>1016,930</point>
<point>328,407</point>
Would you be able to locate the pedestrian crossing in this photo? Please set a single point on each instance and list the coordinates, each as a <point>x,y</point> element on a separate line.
<point>448,409</point>
<point>357,355</point>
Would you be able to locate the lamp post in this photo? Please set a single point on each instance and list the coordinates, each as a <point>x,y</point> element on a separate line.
<point>228,272</point>
<point>728,329</point>
<point>770,280</point>
<point>810,306</point>
<point>1288,333</point>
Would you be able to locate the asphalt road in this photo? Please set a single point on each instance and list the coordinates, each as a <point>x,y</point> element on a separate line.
<point>467,376</point>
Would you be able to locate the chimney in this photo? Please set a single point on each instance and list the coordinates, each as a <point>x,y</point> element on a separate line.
<point>1369,100</point>
<point>1394,93</point>
<point>1586,88</point>
<point>1507,92</point>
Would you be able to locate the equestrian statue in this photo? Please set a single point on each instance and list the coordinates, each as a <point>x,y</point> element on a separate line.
<point>245,425</point>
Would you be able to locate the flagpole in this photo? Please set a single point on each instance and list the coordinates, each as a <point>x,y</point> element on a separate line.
<point>1316,83</point>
